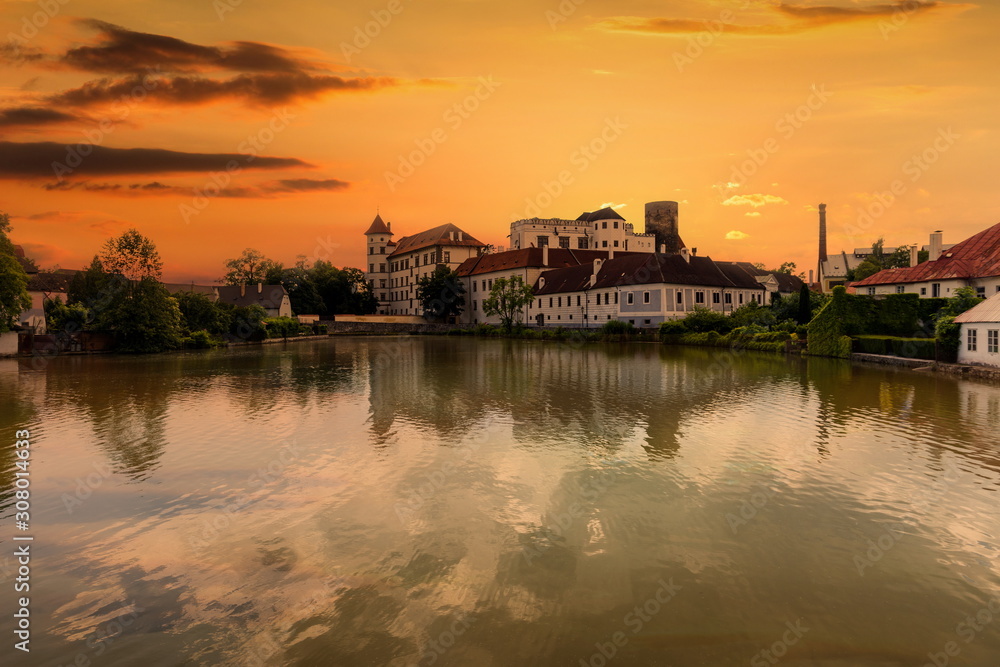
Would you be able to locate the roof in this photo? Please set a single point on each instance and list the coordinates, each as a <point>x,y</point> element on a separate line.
<point>268,297</point>
<point>647,269</point>
<point>786,281</point>
<point>525,257</point>
<point>51,281</point>
<point>835,266</point>
<point>987,311</point>
<point>438,236</point>
<point>378,226</point>
<point>976,257</point>
<point>22,259</point>
<point>606,213</point>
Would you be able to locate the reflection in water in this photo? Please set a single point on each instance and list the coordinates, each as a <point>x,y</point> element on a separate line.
<point>445,501</point>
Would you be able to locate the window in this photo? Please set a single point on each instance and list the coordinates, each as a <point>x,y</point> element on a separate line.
<point>630,299</point>
<point>645,297</point>
<point>900,289</point>
<point>381,268</point>
<point>447,257</point>
<point>581,243</point>
<point>729,297</point>
<point>474,285</point>
<point>371,268</point>
<point>923,291</point>
<point>484,285</point>
<point>491,283</point>
<point>381,284</point>
<point>680,298</point>
<point>871,291</point>
<point>936,290</point>
<point>616,244</point>
<point>381,251</point>
<point>615,224</point>
<point>971,340</point>
<point>715,297</point>
<point>981,292</point>
<point>604,244</point>
<point>560,302</point>
<point>616,298</point>
<point>564,242</point>
<point>474,305</point>
<point>543,241</point>
<point>570,317</point>
<point>371,250</point>
<point>578,299</point>
<point>699,297</point>
<point>550,302</point>
<point>381,297</point>
<point>993,341</point>
<point>647,321</point>
<point>604,225</point>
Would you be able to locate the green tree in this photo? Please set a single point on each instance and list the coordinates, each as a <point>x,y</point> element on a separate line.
<point>247,322</point>
<point>65,317</point>
<point>441,293</point>
<point>805,310</point>
<point>200,313</point>
<point>131,255</point>
<point>88,285</point>
<point>343,290</point>
<point>963,299</point>
<point>507,300</point>
<point>753,314</point>
<point>249,268</point>
<point>703,319</point>
<point>14,297</point>
<point>302,292</point>
<point>144,318</point>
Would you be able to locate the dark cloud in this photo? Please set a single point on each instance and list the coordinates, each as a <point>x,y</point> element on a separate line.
<point>42,160</point>
<point>264,190</point>
<point>119,50</point>
<point>307,185</point>
<point>255,88</point>
<point>802,18</point>
<point>32,116</point>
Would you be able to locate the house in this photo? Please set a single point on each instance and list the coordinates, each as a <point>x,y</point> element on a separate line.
<point>776,283</point>
<point>394,267</point>
<point>644,289</point>
<point>980,333</point>
<point>975,262</point>
<point>272,298</point>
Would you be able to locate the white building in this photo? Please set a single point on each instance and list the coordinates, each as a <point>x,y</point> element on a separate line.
<point>598,230</point>
<point>980,333</point>
<point>394,267</point>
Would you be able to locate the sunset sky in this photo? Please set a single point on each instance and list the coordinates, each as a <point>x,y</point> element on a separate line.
<point>118,114</point>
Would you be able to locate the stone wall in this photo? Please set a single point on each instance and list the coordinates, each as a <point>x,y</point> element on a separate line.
<point>387,328</point>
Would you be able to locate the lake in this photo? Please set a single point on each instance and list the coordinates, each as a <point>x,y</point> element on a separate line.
<point>454,501</point>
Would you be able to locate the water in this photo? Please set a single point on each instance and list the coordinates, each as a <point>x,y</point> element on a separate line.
<point>439,501</point>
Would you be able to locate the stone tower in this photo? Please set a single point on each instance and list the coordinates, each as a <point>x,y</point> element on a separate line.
<point>661,222</point>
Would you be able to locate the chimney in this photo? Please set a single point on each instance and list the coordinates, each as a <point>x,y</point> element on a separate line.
<point>694,252</point>
<point>388,226</point>
<point>260,288</point>
<point>597,269</point>
<point>914,254</point>
<point>663,248</point>
<point>243,289</point>
<point>686,255</point>
<point>810,276</point>
<point>611,253</point>
<point>822,233</point>
<point>545,255</point>
<point>460,235</point>
<point>937,239</point>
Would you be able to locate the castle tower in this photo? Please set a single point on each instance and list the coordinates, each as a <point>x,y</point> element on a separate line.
<point>379,240</point>
<point>661,222</point>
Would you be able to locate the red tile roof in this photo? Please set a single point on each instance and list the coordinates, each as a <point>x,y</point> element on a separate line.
<point>976,257</point>
<point>438,236</point>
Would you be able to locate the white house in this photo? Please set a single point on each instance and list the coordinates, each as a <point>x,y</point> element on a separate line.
<point>980,333</point>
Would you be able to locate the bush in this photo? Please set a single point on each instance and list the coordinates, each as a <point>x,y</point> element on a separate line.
<point>673,328</point>
<point>487,330</point>
<point>323,329</point>
<point>282,327</point>
<point>702,320</point>
<point>910,348</point>
<point>618,327</point>
<point>827,329</point>
<point>199,340</point>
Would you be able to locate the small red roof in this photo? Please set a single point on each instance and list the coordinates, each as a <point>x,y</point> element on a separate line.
<point>976,257</point>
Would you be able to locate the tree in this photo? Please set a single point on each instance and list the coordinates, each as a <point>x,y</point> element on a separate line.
<point>131,255</point>
<point>144,318</point>
<point>879,261</point>
<point>805,310</point>
<point>14,297</point>
<point>343,290</point>
<point>753,314</point>
<point>200,313</point>
<point>65,317</point>
<point>441,293</point>
<point>87,285</point>
<point>250,268</point>
<point>507,300</point>
<point>302,292</point>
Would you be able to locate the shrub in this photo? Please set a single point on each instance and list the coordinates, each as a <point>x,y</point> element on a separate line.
<point>199,340</point>
<point>673,328</point>
<point>323,329</point>
<point>703,319</point>
<point>282,327</point>
<point>617,327</point>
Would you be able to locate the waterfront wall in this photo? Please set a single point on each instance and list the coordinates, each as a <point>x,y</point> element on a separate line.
<point>388,328</point>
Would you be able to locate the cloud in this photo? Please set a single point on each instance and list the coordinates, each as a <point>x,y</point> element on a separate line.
<point>613,206</point>
<point>753,200</point>
<point>752,214</point>
<point>736,235</point>
<point>33,116</point>
<point>120,50</point>
<point>267,89</point>
<point>37,160</point>
<point>793,18</point>
<point>264,190</point>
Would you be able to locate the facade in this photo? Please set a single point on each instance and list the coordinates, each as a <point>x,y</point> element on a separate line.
<point>975,262</point>
<point>644,289</point>
<point>598,230</point>
<point>272,298</point>
<point>395,267</point>
<point>980,333</point>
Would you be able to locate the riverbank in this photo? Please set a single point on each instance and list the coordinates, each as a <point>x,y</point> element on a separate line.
<point>922,365</point>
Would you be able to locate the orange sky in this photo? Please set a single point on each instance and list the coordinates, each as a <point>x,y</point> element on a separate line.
<point>833,99</point>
